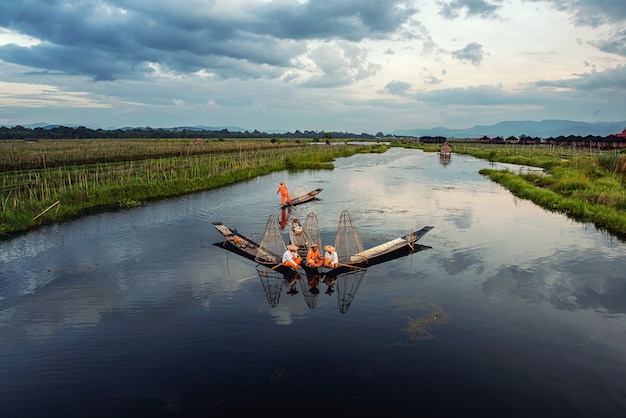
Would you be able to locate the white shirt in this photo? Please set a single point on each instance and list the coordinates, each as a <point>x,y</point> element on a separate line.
<point>332,257</point>
<point>289,256</point>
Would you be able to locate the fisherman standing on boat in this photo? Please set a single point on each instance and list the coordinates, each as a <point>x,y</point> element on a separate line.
<point>284,193</point>
<point>330,258</point>
<point>291,257</point>
<point>314,258</point>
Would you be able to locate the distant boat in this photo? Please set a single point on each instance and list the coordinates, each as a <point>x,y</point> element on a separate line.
<point>307,197</point>
<point>445,149</point>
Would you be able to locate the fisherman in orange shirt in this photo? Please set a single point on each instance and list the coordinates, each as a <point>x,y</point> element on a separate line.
<point>314,258</point>
<point>284,193</point>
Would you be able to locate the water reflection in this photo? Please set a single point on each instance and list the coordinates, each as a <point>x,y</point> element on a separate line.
<point>284,217</point>
<point>344,283</point>
<point>511,301</point>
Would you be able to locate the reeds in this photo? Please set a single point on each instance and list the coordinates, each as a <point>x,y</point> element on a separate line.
<point>586,186</point>
<point>94,175</point>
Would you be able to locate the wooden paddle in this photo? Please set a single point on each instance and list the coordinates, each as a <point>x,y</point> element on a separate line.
<point>259,274</point>
<point>351,266</point>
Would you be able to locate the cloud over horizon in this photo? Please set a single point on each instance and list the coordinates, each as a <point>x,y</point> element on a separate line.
<point>359,66</point>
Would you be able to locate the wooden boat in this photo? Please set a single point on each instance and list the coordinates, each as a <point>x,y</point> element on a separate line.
<point>307,197</point>
<point>245,247</point>
<point>390,250</point>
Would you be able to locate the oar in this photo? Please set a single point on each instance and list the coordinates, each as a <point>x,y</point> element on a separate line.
<point>352,266</point>
<point>259,274</point>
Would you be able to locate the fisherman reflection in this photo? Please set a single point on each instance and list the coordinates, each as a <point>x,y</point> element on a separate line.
<point>313,281</point>
<point>292,283</point>
<point>284,217</point>
<point>331,283</point>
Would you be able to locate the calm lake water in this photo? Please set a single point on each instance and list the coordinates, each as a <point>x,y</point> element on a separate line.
<point>512,312</point>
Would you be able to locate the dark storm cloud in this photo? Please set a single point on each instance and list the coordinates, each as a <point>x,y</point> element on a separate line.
<point>453,9</point>
<point>118,39</point>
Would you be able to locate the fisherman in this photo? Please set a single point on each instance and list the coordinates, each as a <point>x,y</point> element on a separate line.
<point>291,258</point>
<point>314,257</point>
<point>330,257</point>
<point>284,193</point>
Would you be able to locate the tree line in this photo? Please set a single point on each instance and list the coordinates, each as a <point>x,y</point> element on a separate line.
<point>82,132</point>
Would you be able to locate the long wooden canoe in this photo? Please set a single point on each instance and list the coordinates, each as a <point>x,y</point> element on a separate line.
<point>312,195</point>
<point>390,250</point>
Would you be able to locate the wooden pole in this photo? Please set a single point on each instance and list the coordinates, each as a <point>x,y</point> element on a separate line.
<point>49,207</point>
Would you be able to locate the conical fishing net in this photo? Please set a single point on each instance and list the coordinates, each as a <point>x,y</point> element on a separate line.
<point>297,192</point>
<point>312,230</point>
<point>304,234</point>
<point>272,245</point>
<point>347,286</point>
<point>273,283</point>
<point>310,286</point>
<point>348,241</point>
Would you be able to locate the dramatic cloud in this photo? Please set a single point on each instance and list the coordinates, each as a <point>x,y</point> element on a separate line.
<point>453,9</point>
<point>349,65</point>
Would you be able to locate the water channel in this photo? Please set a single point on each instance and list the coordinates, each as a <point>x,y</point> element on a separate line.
<point>513,311</point>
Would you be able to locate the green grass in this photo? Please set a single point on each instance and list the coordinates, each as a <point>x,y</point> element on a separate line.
<point>587,187</point>
<point>59,185</point>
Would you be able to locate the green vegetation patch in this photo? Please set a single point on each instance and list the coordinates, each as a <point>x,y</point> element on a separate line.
<point>57,180</point>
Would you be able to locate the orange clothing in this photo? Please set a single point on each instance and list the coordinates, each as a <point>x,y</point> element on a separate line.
<point>330,259</point>
<point>295,264</point>
<point>314,258</point>
<point>284,194</point>
<point>292,259</point>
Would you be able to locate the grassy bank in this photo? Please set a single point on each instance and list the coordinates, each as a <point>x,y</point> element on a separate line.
<point>56,180</point>
<point>586,185</point>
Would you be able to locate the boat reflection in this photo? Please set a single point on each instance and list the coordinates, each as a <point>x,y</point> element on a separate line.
<point>445,159</point>
<point>343,283</point>
<point>344,279</point>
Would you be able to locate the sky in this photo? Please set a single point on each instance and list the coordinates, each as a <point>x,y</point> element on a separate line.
<point>358,66</point>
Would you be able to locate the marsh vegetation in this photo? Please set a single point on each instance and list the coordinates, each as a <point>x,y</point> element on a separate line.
<point>54,180</point>
<point>585,184</point>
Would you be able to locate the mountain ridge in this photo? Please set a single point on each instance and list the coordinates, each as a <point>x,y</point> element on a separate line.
<point>545,128</point>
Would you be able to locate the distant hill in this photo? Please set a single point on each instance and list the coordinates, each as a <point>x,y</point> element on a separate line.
<point>211,128</point>
<point>543,129</point>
